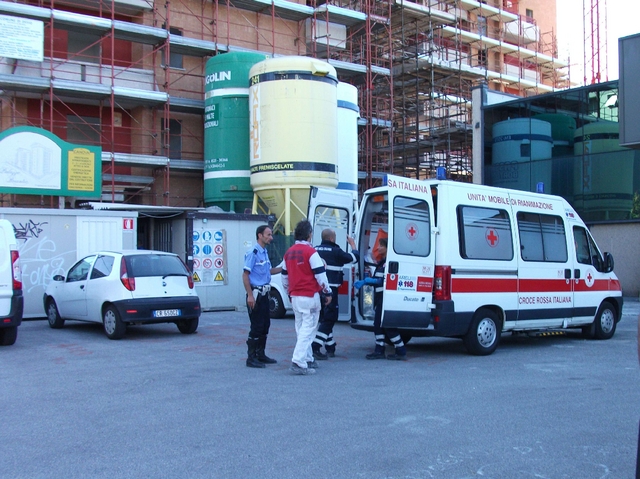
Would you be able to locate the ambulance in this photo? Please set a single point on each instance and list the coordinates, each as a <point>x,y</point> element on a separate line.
<point>471,262</point>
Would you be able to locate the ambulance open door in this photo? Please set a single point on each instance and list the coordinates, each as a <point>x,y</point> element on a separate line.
<point>334,209</point>
<point>410,256</point>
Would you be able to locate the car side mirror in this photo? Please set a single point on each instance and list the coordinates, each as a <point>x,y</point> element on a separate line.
<point>608,262</point>
<point>58,277</point>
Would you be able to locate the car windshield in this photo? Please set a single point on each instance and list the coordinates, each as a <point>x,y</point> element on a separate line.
<point>155,265</point>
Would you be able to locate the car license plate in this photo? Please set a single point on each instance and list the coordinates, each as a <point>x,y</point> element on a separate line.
<point>166,313</point>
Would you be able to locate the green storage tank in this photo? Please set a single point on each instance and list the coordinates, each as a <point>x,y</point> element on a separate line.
<point>226,131</point>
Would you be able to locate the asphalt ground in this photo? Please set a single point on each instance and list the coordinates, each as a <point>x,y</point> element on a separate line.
<point>159,404</point>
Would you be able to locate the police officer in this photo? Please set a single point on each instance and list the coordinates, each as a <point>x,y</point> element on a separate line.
<point>335,259</point>
<point>256,278</point>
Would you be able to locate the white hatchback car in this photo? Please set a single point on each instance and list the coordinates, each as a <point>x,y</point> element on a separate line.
<point>125,287</point>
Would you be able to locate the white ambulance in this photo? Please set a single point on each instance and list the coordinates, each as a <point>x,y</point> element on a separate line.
<point>471,261</point>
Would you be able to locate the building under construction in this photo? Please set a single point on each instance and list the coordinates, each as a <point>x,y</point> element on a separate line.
<point>128,76</point>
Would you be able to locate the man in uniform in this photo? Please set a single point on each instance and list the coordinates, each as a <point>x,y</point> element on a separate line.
<point>335,259</point>
<point>256,278</point>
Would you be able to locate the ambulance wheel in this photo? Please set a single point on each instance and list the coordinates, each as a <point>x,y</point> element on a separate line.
<point>484,334</point>
<point>605,322</point>
<point>276,308</point>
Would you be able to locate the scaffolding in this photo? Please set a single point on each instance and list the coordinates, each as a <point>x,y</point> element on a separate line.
<point>128,75</point>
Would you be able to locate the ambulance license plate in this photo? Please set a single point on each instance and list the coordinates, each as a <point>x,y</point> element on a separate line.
<point>166,313</point>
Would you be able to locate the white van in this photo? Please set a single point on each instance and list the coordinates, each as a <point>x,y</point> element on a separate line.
<point>472,261</point>
<point>11,301</point>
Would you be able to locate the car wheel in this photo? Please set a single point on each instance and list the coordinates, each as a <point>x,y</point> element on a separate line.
<point>276,306</point>
<point>188,326</point>
<point>114,327</point>
<point>8,335</point>
<point>605,322</point>
<point>53,316</point>
<point>484,334</point>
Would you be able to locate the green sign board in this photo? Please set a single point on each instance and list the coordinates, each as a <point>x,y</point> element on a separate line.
<point>34,161</point>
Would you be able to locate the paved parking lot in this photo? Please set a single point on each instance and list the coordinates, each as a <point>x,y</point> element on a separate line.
<point>165,405</point>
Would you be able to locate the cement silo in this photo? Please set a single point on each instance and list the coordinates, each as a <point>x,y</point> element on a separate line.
<point>226,131</point>
<point>293,139</point>
<point>603,179</point>
<point>348,114</point>
<point>563,128</point>
<point>517,144</point>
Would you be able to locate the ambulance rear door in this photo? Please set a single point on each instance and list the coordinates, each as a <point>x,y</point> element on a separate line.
<point>334,209</point>
<point>410,254</point>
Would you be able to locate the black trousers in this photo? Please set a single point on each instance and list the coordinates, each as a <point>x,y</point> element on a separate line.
<point>259,317</point>
<point>377,322</point>
<point>329,314</point>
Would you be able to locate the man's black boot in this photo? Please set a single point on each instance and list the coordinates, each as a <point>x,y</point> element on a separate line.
<point>378,353</point>
<point>252,359</point>
<point>262,357</point>
<point>315,347</point>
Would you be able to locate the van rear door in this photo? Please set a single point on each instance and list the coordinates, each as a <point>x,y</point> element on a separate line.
<point>410,254</point>
<point>334,209</point>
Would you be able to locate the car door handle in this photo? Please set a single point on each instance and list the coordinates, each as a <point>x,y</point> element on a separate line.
<point>82,286</point>
<point>567,274</point>
<point>576,273</point>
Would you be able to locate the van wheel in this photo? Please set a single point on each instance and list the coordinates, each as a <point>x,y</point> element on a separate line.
<point>114,328</point>
<point>8,335</point>
<point>187,326</point>
<point>484,334</point>
<point>55,321</point>
<point>276,307</point>
<point>605,322</point>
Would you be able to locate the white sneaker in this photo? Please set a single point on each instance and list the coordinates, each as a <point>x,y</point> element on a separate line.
<point>295,369</point>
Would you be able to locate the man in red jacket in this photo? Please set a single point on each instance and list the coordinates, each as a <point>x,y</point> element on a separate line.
<point>304,278</point>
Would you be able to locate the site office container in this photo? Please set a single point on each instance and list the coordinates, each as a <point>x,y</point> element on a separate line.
<point>472,261</point>
<point>51,241</point>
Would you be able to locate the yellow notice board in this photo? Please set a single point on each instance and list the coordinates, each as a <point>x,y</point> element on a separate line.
<point>81,173</point>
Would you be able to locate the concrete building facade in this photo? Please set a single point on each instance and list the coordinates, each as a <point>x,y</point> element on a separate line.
<point>128,75</point>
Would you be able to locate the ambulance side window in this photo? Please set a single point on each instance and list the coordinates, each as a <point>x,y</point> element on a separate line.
<point>485,233</point>
<point>542,238</point>
<point>411,227</point>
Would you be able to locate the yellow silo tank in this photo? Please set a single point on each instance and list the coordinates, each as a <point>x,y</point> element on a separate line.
<point>293,133</point>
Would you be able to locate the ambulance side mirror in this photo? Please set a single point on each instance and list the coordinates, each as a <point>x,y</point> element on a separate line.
<point>608,263</point>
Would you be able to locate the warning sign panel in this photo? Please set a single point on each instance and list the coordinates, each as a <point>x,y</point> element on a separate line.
<point>209,254</point>
<point>196,278</point>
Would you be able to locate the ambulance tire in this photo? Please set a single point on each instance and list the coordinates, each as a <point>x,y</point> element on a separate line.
<point>276,306</point>
<point>605,322</point>
<point>484,334</point>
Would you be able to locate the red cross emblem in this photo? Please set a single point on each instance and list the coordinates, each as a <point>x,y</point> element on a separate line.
<point>412,231</point>
<point>492,237</point>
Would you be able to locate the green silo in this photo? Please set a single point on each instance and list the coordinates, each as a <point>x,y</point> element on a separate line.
<point>226,131</point>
